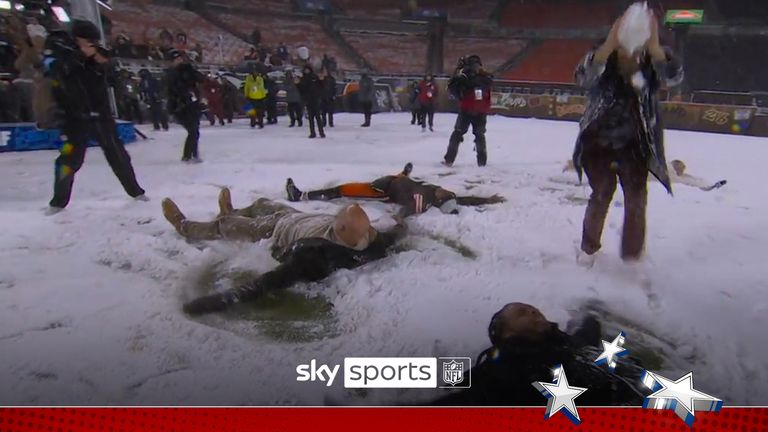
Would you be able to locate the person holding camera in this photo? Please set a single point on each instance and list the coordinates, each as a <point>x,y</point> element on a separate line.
<point>471,86</point>
<point>81,75</point>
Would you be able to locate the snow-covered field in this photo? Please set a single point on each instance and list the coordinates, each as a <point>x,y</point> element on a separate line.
<point>90,298</point>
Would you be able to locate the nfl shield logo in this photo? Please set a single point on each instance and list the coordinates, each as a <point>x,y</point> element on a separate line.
<point>453,372</point>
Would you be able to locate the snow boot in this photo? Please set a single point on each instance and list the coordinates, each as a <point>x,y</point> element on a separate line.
<point>172,213</point>
<point>294,194</point>
<point>225,202</point>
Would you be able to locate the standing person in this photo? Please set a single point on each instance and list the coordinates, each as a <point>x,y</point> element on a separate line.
<point>427,97</point>
<point>471,85</point>
<point>621,137</point>
<point>81,68</point>
<point>184,103</point>
<point>271,87</point>
<point>414,100</point>
<point>213,94</point>
<point>229,98</point>
<point>128,98</point>
<point>152,96</point>
<point>328,101</point>
<point>293,99</point>
<point>366,96</point>
<point>311,90</point>
<point>256,93</point>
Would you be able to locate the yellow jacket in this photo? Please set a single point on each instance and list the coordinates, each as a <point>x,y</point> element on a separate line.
<point>254,87</point>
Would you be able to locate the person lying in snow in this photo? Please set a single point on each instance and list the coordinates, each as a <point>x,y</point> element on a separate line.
<point>414,196</point>
<point>677,175</point>
<point>526,348</point>
<point>308,246</point>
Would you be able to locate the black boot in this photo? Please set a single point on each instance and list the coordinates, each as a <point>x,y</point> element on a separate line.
<point>294,194</point>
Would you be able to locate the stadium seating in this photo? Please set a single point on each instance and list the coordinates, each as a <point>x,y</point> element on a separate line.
<point>702,73</point>
<point>562,14</point>
<point>137,20</point>
<point>263,6</point>
<point>294,33</point>
<point>385,9</point>
<point>552,61</point>
<point>493,52</point>
<point>462,10</point>
<point>392,53</point>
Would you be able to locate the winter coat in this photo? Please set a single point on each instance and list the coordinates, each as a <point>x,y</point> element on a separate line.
<point>619,114</point>
<point>427,93</point>
<point>271,86</point>
<point>255,88</point>
<point>292,94</point>
<point>213,94</point>
<point>503,375</point>
<point>367,91</point>
<point>150,88</point>
<point>183,94</point>
<point>414,196</point>
<point>311,89</point>
<point>473,90</point>
<point>79,84</point>
<point>329,88</point>
<point>414,96</point>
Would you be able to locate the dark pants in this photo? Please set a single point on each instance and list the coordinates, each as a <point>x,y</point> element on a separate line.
<point>271,111</point>
<point>463,121</point>
<point>296,113</point>
<point>159,116</point>
<point>415,115</point>
<point>76,136</point>
<point>604,166</point>
<point>190,120</point>
<point>257,116</point>
<point>427,113</point>
<point>367,110</point>
<point>25,94</point>
<point>327,108</point>
<point>131,111</point>
<point>229,109</point>
<point>314,116</point>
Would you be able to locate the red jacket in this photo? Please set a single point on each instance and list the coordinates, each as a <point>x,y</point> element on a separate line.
<point>473,92</point>
<point>212,92</point>
<point>427,92</point>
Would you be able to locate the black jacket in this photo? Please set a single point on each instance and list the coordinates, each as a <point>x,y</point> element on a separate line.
<point>150,87</point>
<point>79,84</point>
<point>617,114</point>
<point>329,88</point>
<point>306,260</point>
<point>311,89</point>
<point>183,93</point>
<point>503,376</point>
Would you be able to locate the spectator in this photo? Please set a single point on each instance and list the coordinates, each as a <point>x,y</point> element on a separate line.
<point>181,42</point>
<point>229,98</point>
<point>213,95</point>
<point>328,102</point>
<point>413,99</point>
<point>166,45</point>
<point>256,93</point>
<point>252,55</point>
<point>293,99</point>
<point>271,87</point>
<point>127,94</point>
<point>282,52</point>
<point>426,101</point>
<point>311,91</point>
<point>325,63</point>
<point>184,102</point>
<point>366,96</point>
<point>123,47</point>
<point>151,95</point>
<point>198,49</point>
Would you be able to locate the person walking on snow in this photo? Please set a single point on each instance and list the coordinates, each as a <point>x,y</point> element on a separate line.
<point>256,93</point>
<point>426,100</point>
<point>471,86</point>
<point>311,89</point>
<point>79,68</point>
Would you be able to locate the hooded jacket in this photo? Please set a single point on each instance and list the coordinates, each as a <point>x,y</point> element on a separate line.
<point>311,88</point>
<point>618,111</point>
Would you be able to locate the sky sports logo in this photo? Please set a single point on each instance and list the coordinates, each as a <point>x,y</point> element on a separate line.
<point>392,372</point>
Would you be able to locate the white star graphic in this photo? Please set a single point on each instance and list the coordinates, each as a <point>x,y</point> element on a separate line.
<point>612,350</point>
<point>679,396</point>
<point>560,395</point>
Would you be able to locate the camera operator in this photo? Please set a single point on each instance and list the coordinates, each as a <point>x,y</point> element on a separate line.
<point>471,85</point>
<point>80,76</point>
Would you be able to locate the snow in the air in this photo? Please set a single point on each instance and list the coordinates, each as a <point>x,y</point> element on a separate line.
<point>90,298</point>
